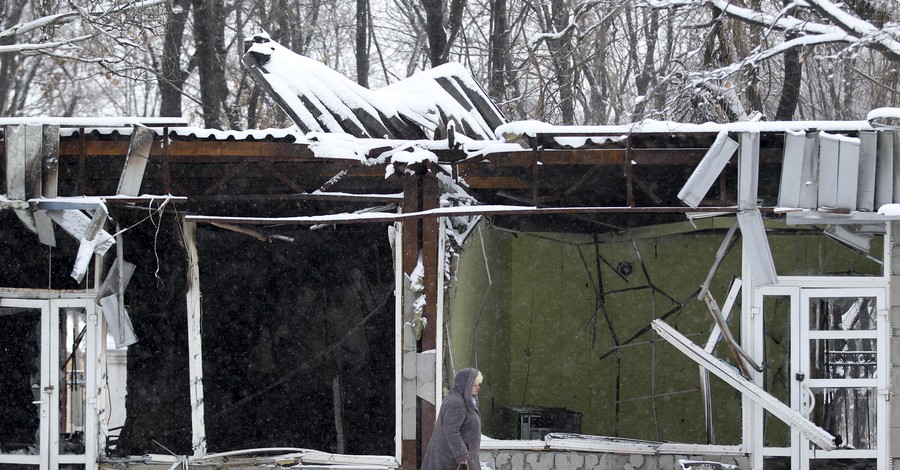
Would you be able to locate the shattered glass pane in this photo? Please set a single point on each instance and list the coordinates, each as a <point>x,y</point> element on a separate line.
<point>842,313</point>
<point>72,386</point>
<point>848,414</point>
<point>843,464</point>
<point>777,376</point>
<point>20,382</point>
<point>843,358</point>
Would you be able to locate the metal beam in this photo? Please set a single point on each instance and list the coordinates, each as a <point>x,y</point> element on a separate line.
<point>773,405</point>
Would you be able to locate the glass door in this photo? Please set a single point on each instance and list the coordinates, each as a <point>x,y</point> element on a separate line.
<point>842,348</point>
<point>48,388</point>
<point>823,349</point>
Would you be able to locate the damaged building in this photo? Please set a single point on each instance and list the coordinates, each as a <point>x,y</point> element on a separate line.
<point>658,295</point>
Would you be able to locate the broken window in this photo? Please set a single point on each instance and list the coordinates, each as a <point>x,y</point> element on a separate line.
<point>560,323</point>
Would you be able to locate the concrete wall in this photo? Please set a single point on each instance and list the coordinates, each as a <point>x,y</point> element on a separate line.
<point>523,460</point>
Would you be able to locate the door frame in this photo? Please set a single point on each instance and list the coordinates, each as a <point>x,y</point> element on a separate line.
<point>800,290</point>
<point>50,458</point>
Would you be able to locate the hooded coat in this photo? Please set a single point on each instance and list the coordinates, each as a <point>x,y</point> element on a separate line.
<point>457,433</point>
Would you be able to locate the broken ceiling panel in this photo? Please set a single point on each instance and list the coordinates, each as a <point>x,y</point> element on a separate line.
<point>136,160</point>
<point>707,172</point>
<point>319,99</point>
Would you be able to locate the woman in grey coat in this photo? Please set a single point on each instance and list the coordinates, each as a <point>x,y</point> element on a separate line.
<point>457,434</point>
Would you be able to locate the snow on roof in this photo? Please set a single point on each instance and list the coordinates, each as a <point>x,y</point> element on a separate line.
<point>95,121</point>
<point>423,106</point>
<point>531,128</point>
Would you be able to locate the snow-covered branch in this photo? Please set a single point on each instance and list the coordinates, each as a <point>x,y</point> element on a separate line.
<point>845,26</point>
<point>44,45</point>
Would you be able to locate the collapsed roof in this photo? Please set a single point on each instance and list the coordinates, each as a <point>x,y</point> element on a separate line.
<point>425,105</point>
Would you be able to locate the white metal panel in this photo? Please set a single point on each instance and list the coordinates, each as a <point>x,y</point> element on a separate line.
<point>895,150</point>
<point>865,187</point>
<point>120,327</point>
<point>136,160</point>
<point>756,245</point>
<point>848,173</point>
<point>14,137</point>
<point>707,172</point>
<point>809,188</point>
<point>884,169</point>
<point>792,169</point>
<point>748,170</point>
<point>34,139</point>
<point>50,161</point>
<point>44,225</point>
<point>829,162</point>
<point>725,372</point>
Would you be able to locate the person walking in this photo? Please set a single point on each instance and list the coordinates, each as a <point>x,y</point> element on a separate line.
<point>456,440</point>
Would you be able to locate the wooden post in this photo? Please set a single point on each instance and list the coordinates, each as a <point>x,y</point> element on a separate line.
<point>419,238</point>
<point>409,260</point>
<point>430,195</point>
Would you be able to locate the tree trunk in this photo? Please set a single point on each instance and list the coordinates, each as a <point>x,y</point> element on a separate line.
<point>498,49</point>
<point>171,78</point>
<point>790,87</point>
<point>434,28</point>
<point>208,21</point>
<point>362,42</point>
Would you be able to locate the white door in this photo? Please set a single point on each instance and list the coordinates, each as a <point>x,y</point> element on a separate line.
<point>842,381</point>
<point>823,349</point>
<point>48,384</point>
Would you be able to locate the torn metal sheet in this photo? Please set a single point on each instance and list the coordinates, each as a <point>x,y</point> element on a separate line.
<point>753,232</point>
<point>425,376</point>
<point>136,160</point>
<point>44,225</point>
<point>773,405</point>
<point>97,222</point>
<point>291,457</point>
<point>111,283</point>
<point>76,224</point>
<point>849,235</point>
<point>408,388</point>
<point>119,322</point>
<point>748,171</point>
<point>707,172</point>
<point>585,443</point>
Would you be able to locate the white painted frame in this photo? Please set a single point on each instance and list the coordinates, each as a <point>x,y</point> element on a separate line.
<point>800,289</point>
<point>50,458</point>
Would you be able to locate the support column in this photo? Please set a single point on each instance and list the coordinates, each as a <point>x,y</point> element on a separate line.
<point>195,350</point>
<point>420,243</point>
<point>409,416</point>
